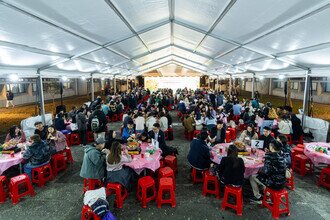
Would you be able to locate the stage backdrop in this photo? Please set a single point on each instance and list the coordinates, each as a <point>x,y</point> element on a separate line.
<point>154,83</point>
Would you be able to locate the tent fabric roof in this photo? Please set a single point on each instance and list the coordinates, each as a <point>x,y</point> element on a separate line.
<point>131,37</point>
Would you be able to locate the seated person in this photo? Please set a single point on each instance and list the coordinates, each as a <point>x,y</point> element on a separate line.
<point>16,134</point>
<point>144,137</point>
<point>41,130</point>
<point>199,154</point>
<point>116,172</point>
<point>189,122</point>
<point>266,137</point>
<point>231,168</point>
<point>286,149</point>
<point>59,122</point>
<point>56,140</point>
<point>248,135</point>
<point>93,166</point>
<point>36,155</point>
<point>111,139</point>
<point>218,133</point>
<point>128,132</point>
<point>159,136</point>
<point>272,174</point>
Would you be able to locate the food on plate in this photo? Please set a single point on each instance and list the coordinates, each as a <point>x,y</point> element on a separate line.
<point>240,146</point>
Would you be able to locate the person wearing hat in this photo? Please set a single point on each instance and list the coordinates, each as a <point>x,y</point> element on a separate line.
<point>93,166</point>
<point>266,137</point>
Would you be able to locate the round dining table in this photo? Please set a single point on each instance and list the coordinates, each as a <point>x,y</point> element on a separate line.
<point>317,157</point>
<point>252,162</point>
<point>145,161</point>
<point>7,161</point>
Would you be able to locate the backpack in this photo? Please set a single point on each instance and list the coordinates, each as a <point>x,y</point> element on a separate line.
<point>272,114</point>
<point>95,124</point>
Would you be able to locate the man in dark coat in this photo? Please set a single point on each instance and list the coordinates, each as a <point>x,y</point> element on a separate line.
<point>159,136</point>
<point>199,154</point>
<point>266,137</point>
<point>41,130</point>
<point>99,114</point>
<point>218,133</point>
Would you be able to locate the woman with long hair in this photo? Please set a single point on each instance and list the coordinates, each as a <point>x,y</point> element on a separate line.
<point>210,120</point>
<point>248,135</point>
<point>231,168</point>
<point>56,140</point>
<point>116,172</point>
<point>15,133</point>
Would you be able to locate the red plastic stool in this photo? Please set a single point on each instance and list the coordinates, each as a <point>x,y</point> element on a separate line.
<point>325,177</point>
<point>114,118</point>
<point>144,184</point>
<point>90,137</point>
<point>296,151</point>
<point>41,175</point>
<point>170,131</point>
<point>120,191</point>
<point>233,134</point>
<point>166,185</point>
<point>172,162</point>
<point>234,191</point>
<point>166,172</point>
<point>208,178</point>
<point>276,201</point>
<point>302,146</point>
<point>290,181</point>
<point>88,214</point>
<point>299,165</point>
<point>3,185</point>
<point>299,141</point>
<point>14,186</point>
<point>68,155</point>
<point>195,178</point>
<point>190,135</point>
<point>67,138</point>
<point>74,139</point>
<point>196,133</point>
<point>91,184</point>
<point>228,137</point>
<point>289,139</point>
<point>58,163</point>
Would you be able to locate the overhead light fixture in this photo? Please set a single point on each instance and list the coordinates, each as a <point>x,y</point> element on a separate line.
<point>13,77</point>
<point>83,78</point>
<point>261,77</point>
<point>281,77</point>
<point>64,78</point>
<point>102,78</point>
<point>242,78</point>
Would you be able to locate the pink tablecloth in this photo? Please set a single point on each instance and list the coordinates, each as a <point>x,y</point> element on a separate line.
<point>252,163</point>
<point>6,161</point>
<point>317,157</point>
<point>139,164</point>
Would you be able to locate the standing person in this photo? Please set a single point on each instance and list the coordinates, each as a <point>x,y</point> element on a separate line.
<point>93,166</point>
<point>36,155</point>
<point>15,133</point>
<point>116,172</point>
<point>10,98</point>
<point>199,154</point>
<point>82,126</point>
<point>41,130</point>
<point>98,122</point>
<point>272,174</point>
<point>231,168</point>
<point>237,108</point>
<point>56,140</point>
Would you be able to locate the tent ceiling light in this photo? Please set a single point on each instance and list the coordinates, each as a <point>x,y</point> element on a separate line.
<point>13,77</point>
<point>83,78</point>
<point>64,78</point>
<point>281,77</point>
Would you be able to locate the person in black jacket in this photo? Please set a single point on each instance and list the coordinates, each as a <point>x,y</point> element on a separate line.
<point>297,130</point>
<point>41,130</point>
<point>231,168</point>
<point>266,137</point>
<point>199,154</point>
<point>218,133</point>
<point>59,122</point>
<point>159,136</point>
<point>99,114</point>
<point>112,138</point>
<point>272,174</point>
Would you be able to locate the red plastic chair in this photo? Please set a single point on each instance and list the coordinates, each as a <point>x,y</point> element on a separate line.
<point>290,181</point>
<point>172,162</point>
<point>67,137</point>
<point>41,175</point>
<point>121,116</point>
<point>91,184</point>
<point>88,214</point>
<point>74,139</point>
<point>302,165</point>
<point>289,139</point>
<point>120,191</point>
<point>299,141</point>
<point>144,184</point>
<point>3,186</point>
<point>211,179</point>
<point>166,172</point>
<point>196,133</point>
<point>14,187</point>
<point>276,201</point>
<point>236,192</point>
<point>296,151</point>
<point>166,184</point>
<point>90,137</point>
<point>324,179</point>
<point>58,163</point>
<point>233,134</point>
<point>228,137</point>
<point>194,175</point>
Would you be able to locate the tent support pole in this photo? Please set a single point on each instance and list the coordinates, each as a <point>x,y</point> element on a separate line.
<point>253,85</point>
<point>41,96</point>
<point>92,87</point>
<point>305,104</point>
<point>114,85</point>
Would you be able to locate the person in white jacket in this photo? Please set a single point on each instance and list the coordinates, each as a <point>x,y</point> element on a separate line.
<point>151,120</point>
<point>284,125</point>
<point>139,122</point>
<point>163,121</point>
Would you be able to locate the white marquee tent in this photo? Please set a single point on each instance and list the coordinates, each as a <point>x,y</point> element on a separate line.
<point>227,38</point>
